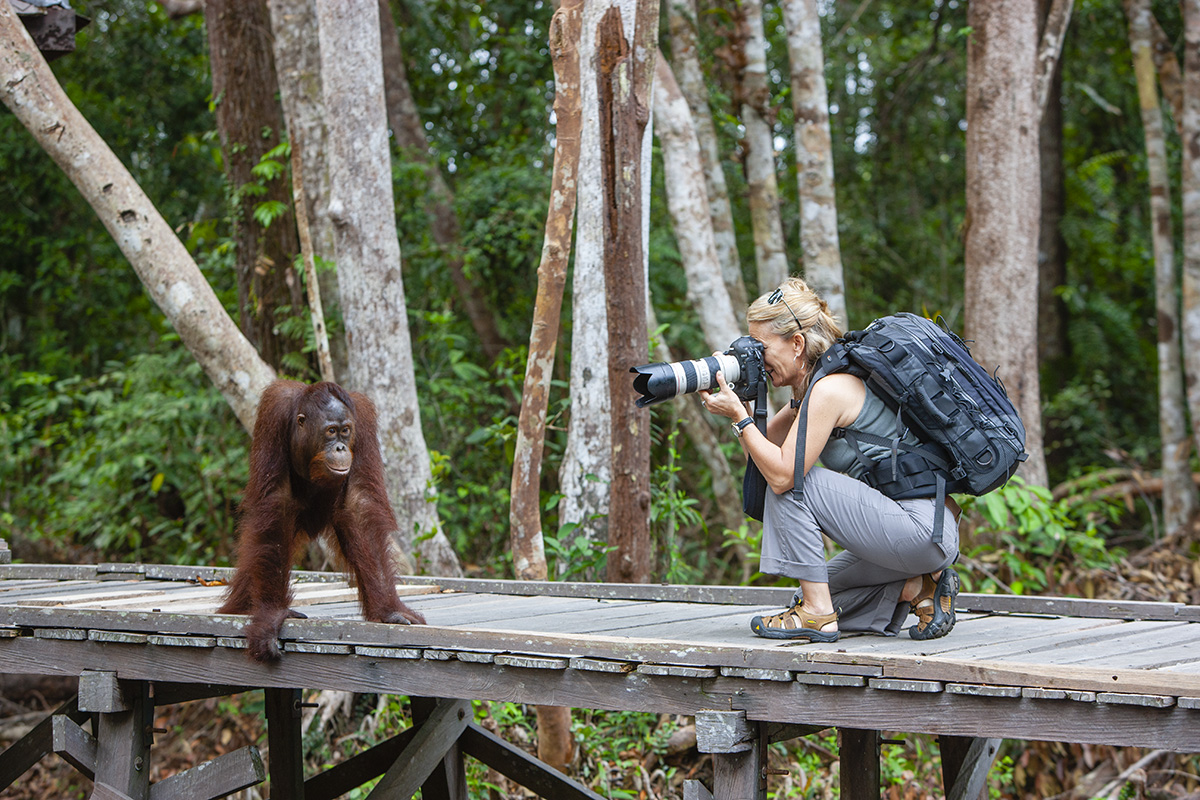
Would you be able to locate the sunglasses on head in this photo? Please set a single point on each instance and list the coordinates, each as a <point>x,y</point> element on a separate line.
<point>775,297</point>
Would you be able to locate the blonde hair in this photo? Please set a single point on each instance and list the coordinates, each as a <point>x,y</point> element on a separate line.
<point>798,304</point>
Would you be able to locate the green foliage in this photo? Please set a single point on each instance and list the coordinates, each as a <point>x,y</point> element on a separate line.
<point>1021,536</point>
<point>144,462</point>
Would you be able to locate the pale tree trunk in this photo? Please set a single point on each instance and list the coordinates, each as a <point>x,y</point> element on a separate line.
<point>1057,16</point>
<point>443,218</point>
<point>626,81</point>
<point>814,157</point>
<point>163,264</point>
<point>586,470</point>
<point>759,146</point>
<point>298,66</point>
<point>361,206</point>
<point>1179,495</point>
<point>1190,119</point>
<point>250,123</point>
<point>682,172</point>
<point>1003,193</point>
<point>1169,74</point>
<point>685,55</point>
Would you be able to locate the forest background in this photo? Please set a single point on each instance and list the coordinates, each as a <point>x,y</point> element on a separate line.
<point>121,448</point>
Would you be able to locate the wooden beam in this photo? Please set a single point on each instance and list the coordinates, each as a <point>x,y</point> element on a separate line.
<point>695,790</point>
<point>448,781</point>
<point>285,743</point>
<point>100,692</point>
<point>211,780</point>
<point>102,791</point>
<point>423,755</point>
<point>859,756</point>
<point>166,693</point>
<point>123,744</point>
<point>515,764</point>
<point>738,748</point>
<point>31,748</point>
<point>357,770</point>
<point>74,745</point>
<point>965,765</point>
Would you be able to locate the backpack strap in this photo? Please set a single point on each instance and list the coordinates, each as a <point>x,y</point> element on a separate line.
<point>854,437</point>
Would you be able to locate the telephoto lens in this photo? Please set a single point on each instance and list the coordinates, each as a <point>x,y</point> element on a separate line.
<point>662,381</point>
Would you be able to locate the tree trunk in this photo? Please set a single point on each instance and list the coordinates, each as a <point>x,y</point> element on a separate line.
<point>362,207</point>
<point>684,178</point>
<point>759,146</point>
<point>814,157</point>
<point>1190,121</point>
<point>626,81</point>
<point>529,555</point>
<point>1169,77</point>
<point>1056,16</point>
<point>1179,496</point>
<point>684,54</point>
<point>298,65</point>
<point>163,264</point>
<point>1003,192</point>
<point>250,124</point>
<point>586,471</point>
<point>1052,248</point>
<point>410,136</point>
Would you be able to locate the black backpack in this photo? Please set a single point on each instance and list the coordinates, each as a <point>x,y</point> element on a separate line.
<point>971,437</point>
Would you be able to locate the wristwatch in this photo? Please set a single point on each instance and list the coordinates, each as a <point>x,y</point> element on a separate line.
<point>741,425</point>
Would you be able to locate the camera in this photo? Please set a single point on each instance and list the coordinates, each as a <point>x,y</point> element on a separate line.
<point>742,364</point>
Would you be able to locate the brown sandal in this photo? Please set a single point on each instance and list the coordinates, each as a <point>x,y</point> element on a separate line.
<point>934,606</point>
<point>795,624</point>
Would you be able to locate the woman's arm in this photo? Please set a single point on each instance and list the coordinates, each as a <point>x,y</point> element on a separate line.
<point>835,401</point>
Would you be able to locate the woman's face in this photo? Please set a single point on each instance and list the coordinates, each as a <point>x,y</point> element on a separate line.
<point>781,354</point>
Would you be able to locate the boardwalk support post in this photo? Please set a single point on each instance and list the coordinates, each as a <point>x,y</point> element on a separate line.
<point>965,765</point>
<point>739,749</point>
<point>285,743</point>
<point>123,744</point>
<point>859,755</point>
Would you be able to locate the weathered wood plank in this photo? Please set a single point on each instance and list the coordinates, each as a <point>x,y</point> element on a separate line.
<point>979,690</point>
<point>859,764</point>
<point>219,777</point>
<point>436,735</point>
<point>74,745</point>
<point>20,756</point>
<point>358,769</point>
<point>123,742</point>
<point>285,742</point>
<point>515,764</point>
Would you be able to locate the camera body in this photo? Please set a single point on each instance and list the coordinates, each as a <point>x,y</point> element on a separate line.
<point>742,365</point>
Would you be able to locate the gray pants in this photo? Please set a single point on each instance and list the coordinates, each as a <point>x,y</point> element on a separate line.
<point>885,543</point>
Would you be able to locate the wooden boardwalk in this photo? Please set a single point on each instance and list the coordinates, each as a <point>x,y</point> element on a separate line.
<point>1027,668</point>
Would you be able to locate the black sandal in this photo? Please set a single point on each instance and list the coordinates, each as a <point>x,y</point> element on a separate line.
<point>795,624</point>
<point>934,606</point>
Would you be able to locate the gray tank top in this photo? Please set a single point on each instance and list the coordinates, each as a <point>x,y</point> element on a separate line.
<point>876,418</point>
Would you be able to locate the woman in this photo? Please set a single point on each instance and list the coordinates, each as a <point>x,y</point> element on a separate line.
<point>890,564</point>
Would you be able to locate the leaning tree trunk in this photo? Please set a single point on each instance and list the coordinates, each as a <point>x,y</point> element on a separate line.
<point>368,253</point>
<point>1191,210</point>
<point>814,157</point>
<point>1003,192</point>
<point>1179,495</point>
<point>682,172</point>
<point>626,80</point>
<point>685,55</point>
<point>176,285</point>
<point>298,65</point>
<point>1052,247</point>
<point>250,124</point>
<point>759,157</point>
<point>410,136</point>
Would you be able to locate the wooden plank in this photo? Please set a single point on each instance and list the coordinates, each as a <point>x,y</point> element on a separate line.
<point>219,777</point>
<point>530,662</point>
<point>1114,649</point>
<point>102,791</point>
<point>317,647</point>
<point>678,671</point>
<point>20,756</point>
<point>101,692</point>
<point>181,641</point>
<point>74,745</point>
<point>71,634</point>
<point>750,673</point>
<point>1188,702</point>
<point>367,651</point>
<point>358,769</point>
<point>601,665</point>
<point>905,685</point>
<point>965,765</point>
<point>979,690</point>
<point>517,765</point>
<point>740,775</point>
<point>118,637</point>
<point>820,679</point>
<point>724,732</point>
<point>988,634</point>
<point>166,694</point>
<point>1038,693</point>
<point>695,790</point>
<point>794,702</point>
<point>285,745</point>
<point>435,737</point>
<point>1028,635</point>
<point>1145,700</point>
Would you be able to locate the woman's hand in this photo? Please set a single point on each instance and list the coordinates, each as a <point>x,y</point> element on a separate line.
<point>725,401</point>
